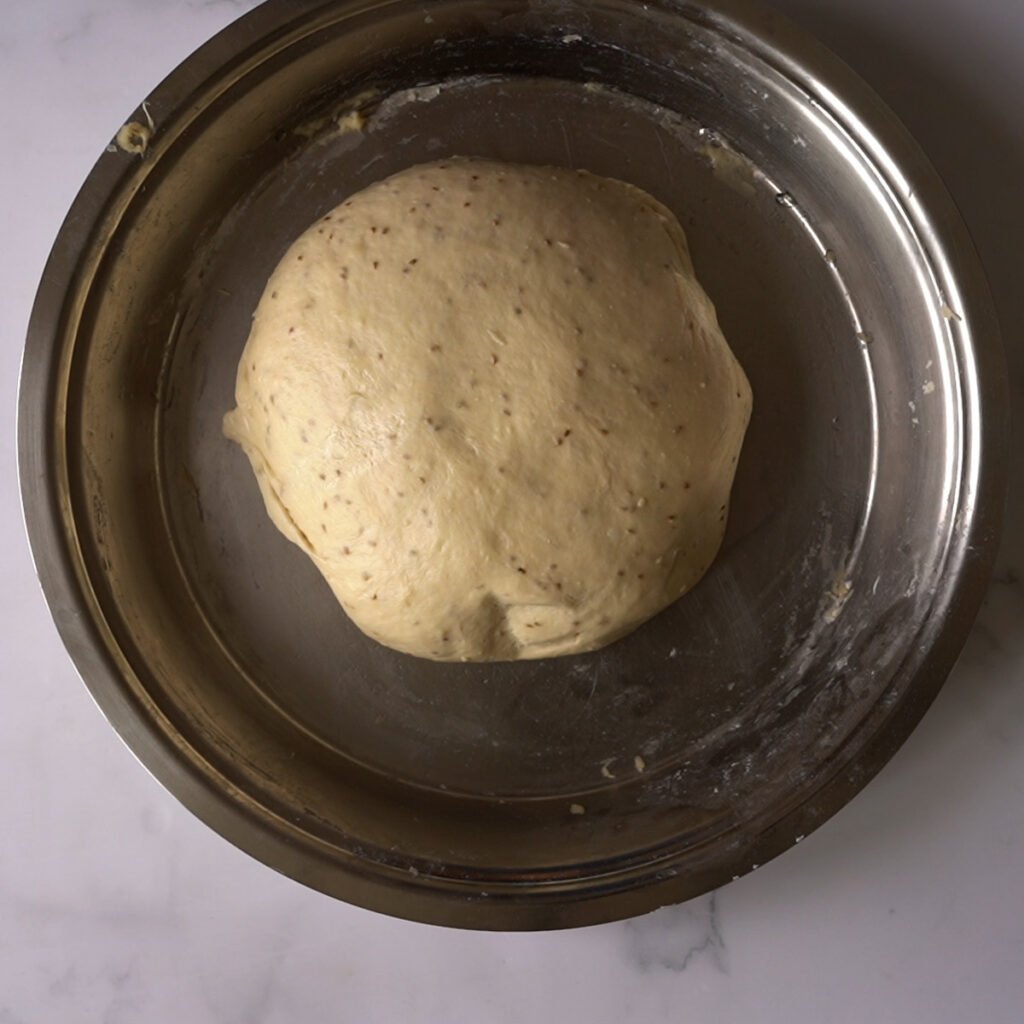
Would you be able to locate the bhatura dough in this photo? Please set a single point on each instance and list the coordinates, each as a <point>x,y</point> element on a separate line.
<point>494,406</point>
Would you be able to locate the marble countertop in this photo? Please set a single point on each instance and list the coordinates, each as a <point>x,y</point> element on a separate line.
<point>116,905</point>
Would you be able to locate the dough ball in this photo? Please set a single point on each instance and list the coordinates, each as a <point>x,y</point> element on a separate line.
<point>494,406</point>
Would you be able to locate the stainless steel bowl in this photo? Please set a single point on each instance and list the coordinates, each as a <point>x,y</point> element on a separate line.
<point>562,792</point>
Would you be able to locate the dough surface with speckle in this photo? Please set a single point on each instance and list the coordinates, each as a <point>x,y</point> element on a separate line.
<point>494,406</point>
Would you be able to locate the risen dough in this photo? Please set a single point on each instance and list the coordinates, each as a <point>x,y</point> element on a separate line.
<point>494,406</point>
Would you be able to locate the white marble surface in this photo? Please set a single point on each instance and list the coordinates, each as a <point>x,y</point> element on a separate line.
<point>117,906</point>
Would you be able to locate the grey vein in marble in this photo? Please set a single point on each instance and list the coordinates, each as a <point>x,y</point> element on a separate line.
<point>674,937</point>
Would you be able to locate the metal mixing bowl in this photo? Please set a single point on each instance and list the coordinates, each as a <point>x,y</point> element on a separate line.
<point>568,791</point>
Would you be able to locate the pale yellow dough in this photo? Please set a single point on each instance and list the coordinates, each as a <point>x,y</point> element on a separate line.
<point>494,406</point>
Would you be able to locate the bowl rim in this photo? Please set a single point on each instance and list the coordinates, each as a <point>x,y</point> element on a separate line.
<point>106,193</point>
